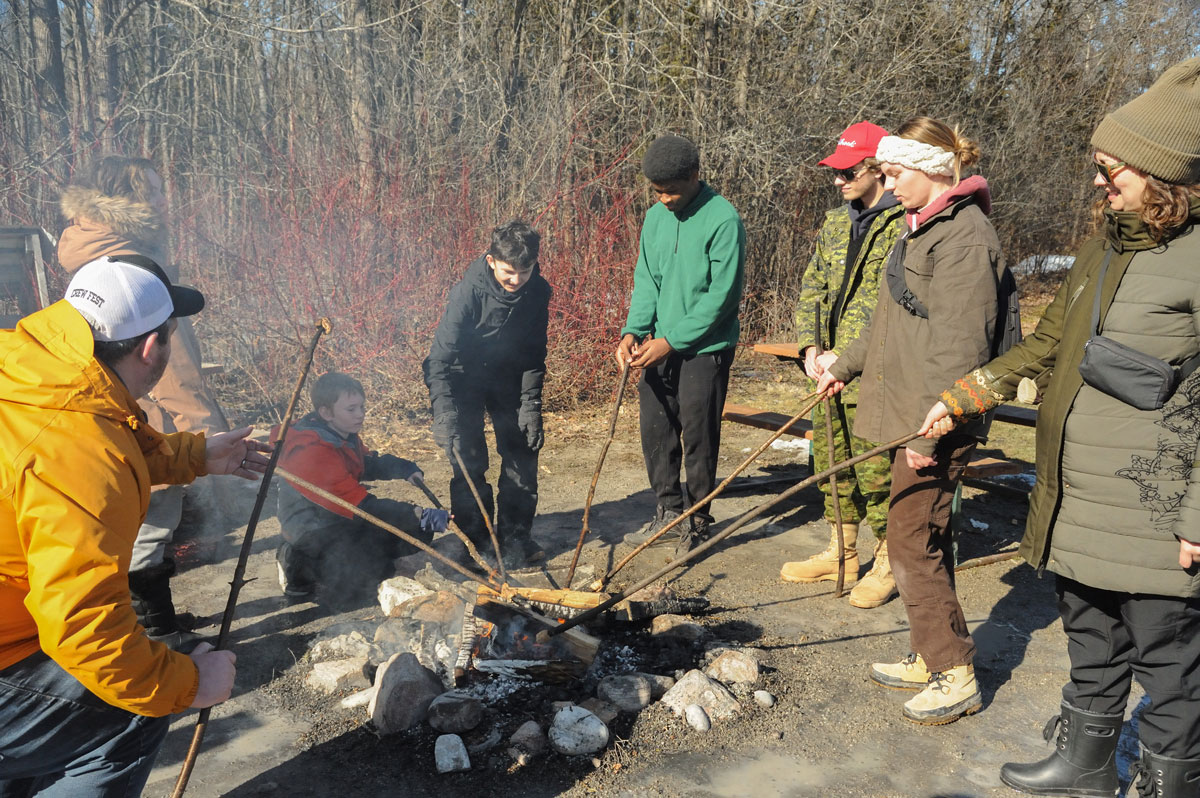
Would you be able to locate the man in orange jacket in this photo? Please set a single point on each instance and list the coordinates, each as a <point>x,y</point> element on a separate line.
<point>85,695</point>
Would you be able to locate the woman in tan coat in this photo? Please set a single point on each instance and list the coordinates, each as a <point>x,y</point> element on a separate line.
<point>118,207</point>
<point>936,317</point>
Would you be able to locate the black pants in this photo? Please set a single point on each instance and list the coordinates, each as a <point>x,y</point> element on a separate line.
<point>349,559</point>
<point>1112,637</point>
<point>681,401</point>
<point>517,486</point>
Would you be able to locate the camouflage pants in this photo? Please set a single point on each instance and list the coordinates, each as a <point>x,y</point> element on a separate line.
<point>862,489</point>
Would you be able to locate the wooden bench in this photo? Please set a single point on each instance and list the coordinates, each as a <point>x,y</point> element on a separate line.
<point>765,419</point>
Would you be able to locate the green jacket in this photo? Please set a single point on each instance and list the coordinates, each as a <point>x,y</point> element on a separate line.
<point>688,281</point>
<point>828,276</point>
<point>1115,485</point>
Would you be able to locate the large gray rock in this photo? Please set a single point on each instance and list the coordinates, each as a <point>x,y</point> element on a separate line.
<point>397,590</point>
<point>696,688</point>
<point>354,645</point>
<point>527,742</point>
<point>734,667</point>
<point>338,676</point>
<point>659,684</point>
<point>628,692</point>
<point>455,712</point>
<point>404,689</point>
<point>450,754</point>
<point>577,731</point>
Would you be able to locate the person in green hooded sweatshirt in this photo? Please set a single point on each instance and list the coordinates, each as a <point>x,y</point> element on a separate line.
<point>681,331</point>
<point>1115,510</point>
<point>837,296</point>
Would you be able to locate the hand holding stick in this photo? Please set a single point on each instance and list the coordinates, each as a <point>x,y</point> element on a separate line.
<point>587,506</point>
<point>471,550</point>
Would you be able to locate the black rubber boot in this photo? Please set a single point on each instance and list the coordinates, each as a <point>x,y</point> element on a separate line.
<point>150,589</point>
<point>1084,762</point>
<point>1157,776</point>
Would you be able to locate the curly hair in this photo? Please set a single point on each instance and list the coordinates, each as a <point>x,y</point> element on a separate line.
<point>1166,207</point>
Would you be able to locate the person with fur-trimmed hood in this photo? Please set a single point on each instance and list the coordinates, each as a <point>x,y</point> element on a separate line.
<point>117,207</point>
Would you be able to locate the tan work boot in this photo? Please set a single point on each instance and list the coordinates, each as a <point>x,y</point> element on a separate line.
<point>907,674</point>
<point>949,695</point>
<point>878,586</point>
<point>824,566</point>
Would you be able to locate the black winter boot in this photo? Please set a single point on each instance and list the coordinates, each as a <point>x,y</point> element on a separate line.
<point>1084,762</point>
<point>1157,776</point>
<point>150,589</point>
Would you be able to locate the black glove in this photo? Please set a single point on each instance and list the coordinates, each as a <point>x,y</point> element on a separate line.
<point>434,520</point>
<point>529,419</point>
<point>445,430</point>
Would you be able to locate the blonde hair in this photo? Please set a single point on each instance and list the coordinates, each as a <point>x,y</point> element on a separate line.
<point>938,134</point>
<point>118,176</point>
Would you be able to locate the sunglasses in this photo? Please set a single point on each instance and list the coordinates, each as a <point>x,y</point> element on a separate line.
<point>1109,170</point>
<point>848,174</point>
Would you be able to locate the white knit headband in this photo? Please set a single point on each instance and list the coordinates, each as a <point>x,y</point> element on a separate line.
<point>927,158</point>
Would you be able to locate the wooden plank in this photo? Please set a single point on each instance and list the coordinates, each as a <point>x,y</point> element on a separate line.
<point>991,467</point>
<point>1023,415</point>
<point>783,351</point>
<point>765,419</point>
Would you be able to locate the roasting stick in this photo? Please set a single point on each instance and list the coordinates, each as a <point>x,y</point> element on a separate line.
<point>407,538</point>
<point>810,402</point>
<point>717,538</point>
<point>235,585</point>
<point>840,587</point>
<point>587,506</point>
<point>471,550</point>
<point>487,521</point>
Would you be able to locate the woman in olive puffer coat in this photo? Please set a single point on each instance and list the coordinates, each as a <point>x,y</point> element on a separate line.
<point>1115,512</point>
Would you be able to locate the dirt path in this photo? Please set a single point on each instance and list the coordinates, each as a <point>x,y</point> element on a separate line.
<point>831,732</point>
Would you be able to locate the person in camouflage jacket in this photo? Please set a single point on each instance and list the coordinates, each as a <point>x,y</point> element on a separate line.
<point>837,296</point>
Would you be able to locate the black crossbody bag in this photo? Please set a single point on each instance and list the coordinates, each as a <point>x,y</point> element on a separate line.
<point>1134,377</point>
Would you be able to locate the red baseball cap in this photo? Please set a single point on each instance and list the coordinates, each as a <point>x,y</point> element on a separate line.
<point>858,141</point>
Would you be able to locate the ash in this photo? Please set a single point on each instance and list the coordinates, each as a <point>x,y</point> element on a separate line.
<point>496,689</point>
<point>613,659</point>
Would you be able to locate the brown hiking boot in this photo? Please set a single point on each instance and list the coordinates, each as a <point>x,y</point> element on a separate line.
<point>824,566</point>
<point>878,586</point>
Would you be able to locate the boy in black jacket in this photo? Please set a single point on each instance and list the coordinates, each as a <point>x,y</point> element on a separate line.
<point>489,354</point>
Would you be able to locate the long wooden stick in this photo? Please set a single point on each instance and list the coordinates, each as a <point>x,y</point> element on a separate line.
<point>810,402</point>
<point>235,584</point>
<point>458,533</point>
<point>587,505</point>
<point>483,511</point>
<point>715,539</point>
<point>840,587</point>
<point>384,525</point>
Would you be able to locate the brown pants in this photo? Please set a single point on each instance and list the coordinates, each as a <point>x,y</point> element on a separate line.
<point>921,549</point>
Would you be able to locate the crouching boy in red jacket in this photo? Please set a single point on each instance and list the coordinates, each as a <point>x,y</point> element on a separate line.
<point>324,544</point>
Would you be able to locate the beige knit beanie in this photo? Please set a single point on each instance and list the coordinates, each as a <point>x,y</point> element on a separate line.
<point>1159,132</point>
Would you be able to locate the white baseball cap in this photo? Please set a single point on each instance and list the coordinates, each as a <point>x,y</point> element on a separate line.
<point>127,296</point>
